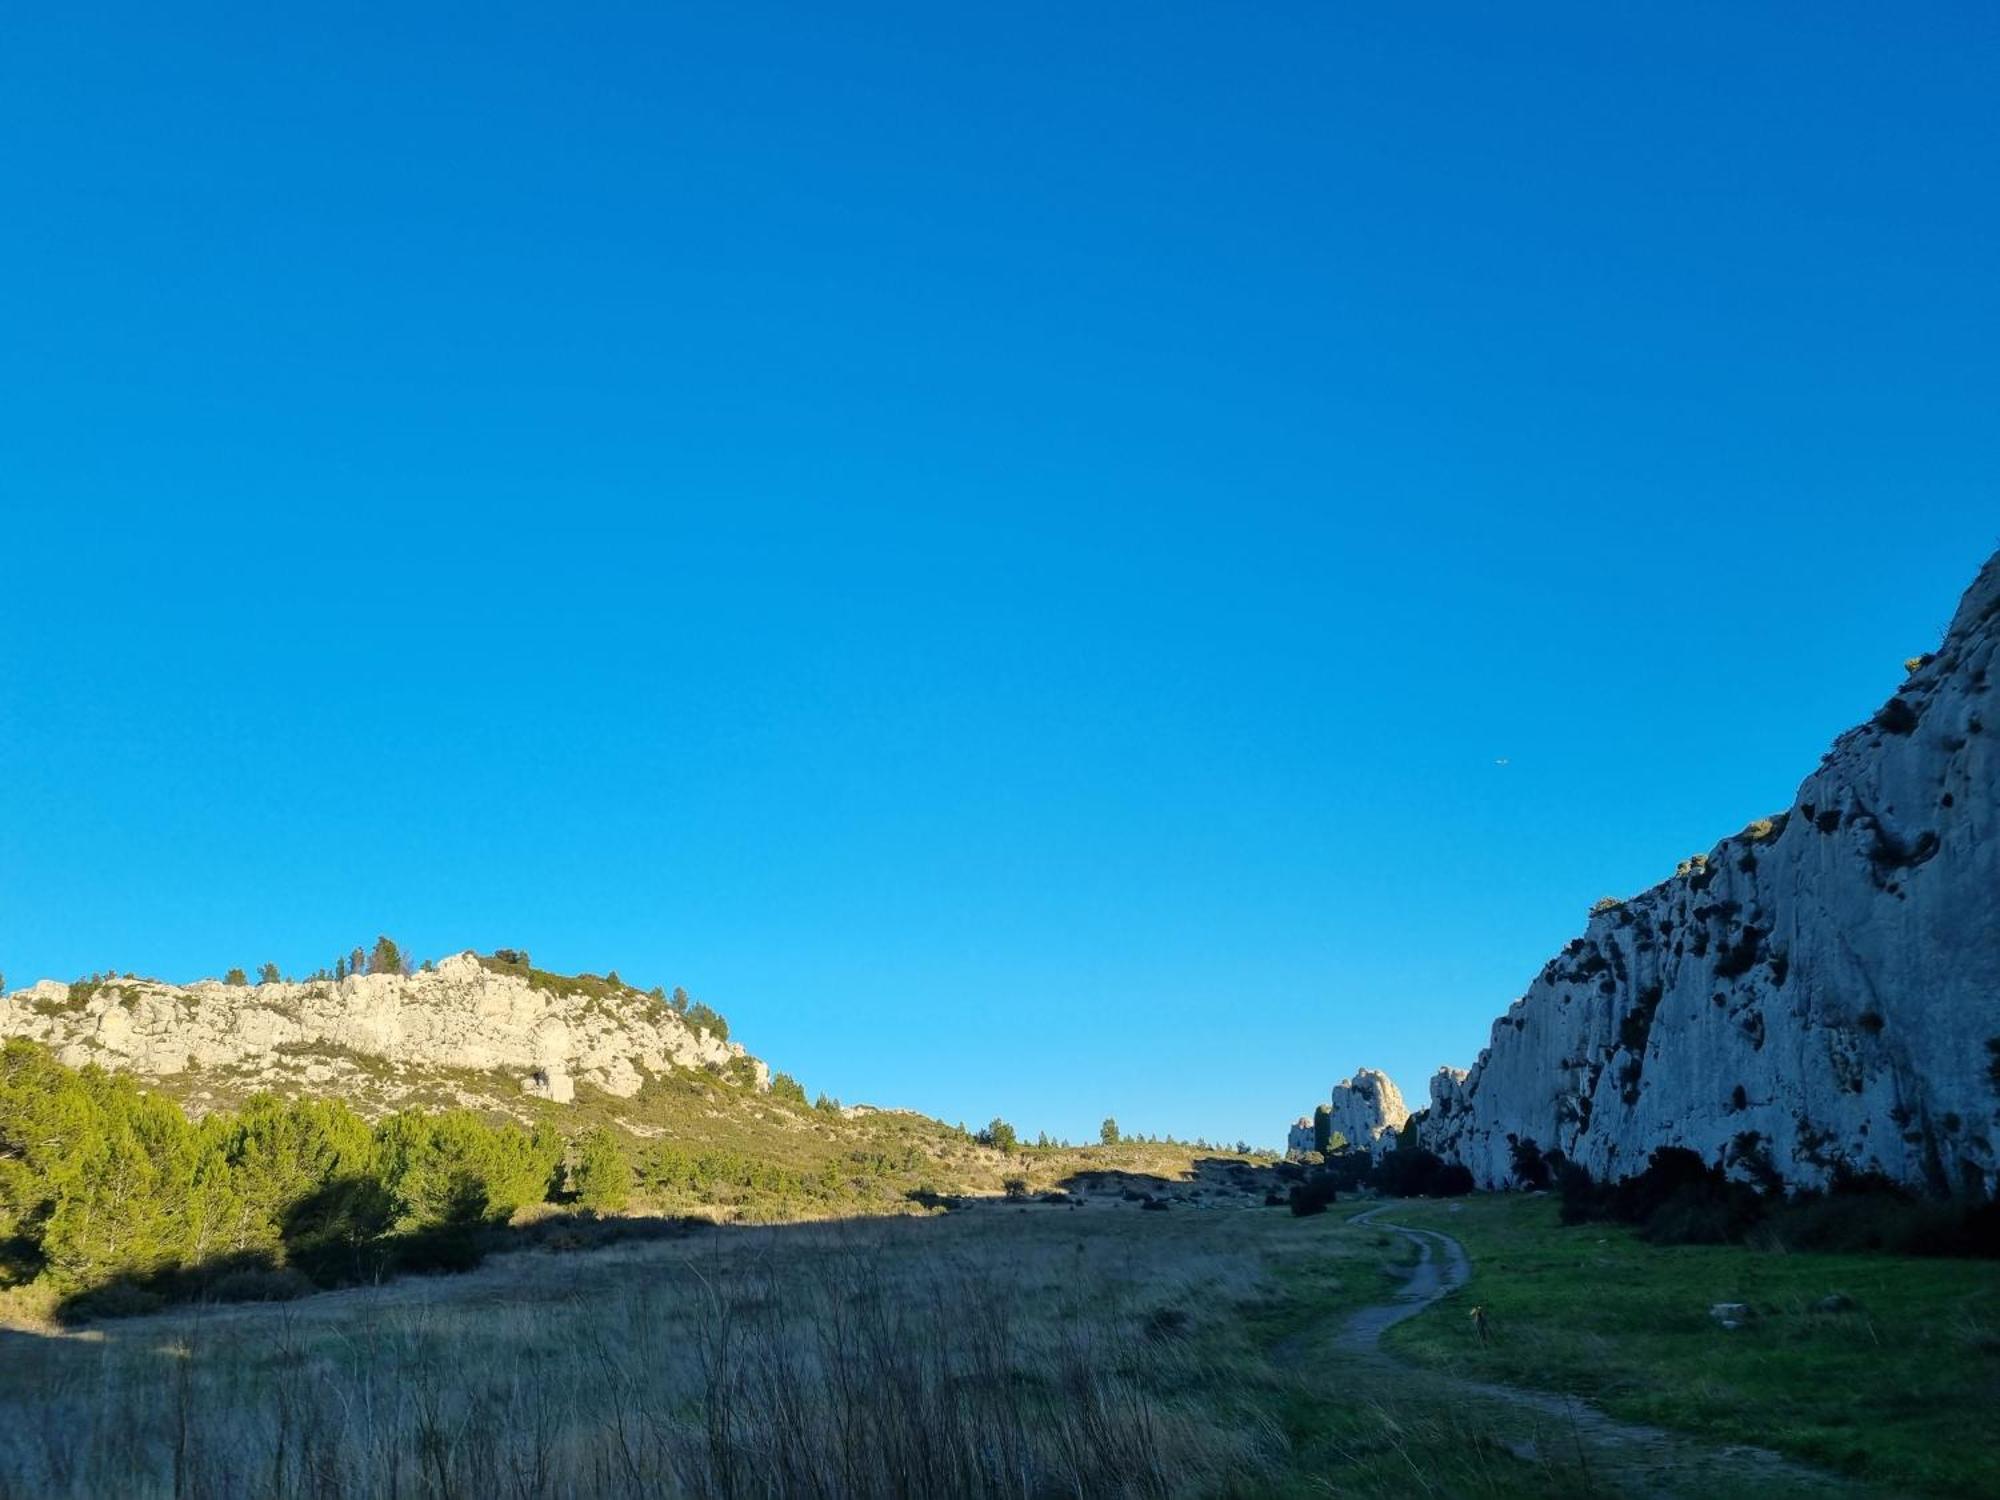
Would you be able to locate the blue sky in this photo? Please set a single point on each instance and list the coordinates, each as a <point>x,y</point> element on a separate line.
<point>1005,550</point>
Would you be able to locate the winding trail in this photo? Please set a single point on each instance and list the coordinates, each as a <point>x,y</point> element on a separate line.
<point>1654,1461</point>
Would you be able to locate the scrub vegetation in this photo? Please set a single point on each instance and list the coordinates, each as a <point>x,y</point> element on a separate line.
<point>113,1201</point>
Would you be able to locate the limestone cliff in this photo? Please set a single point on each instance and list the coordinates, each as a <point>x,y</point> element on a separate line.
<point>476,1030</point>
<point>1366,1111</point>
<point>1822,989</point>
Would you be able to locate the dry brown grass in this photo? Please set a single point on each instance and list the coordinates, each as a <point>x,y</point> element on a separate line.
<point>1027,1351</point>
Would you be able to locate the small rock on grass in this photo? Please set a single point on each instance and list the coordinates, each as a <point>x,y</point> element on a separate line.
<point>1731,1315</point>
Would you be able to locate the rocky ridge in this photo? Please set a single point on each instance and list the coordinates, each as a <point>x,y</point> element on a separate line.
<point>1366,1110</point>
<point>1819,992</point>
<point>497,1034</point>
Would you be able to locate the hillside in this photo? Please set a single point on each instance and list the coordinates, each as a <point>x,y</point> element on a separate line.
<point>707,1127</point>
<point>488,1033</point>
<point>1819,992</point>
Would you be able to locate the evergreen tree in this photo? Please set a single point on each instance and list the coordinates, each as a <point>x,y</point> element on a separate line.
<point>235,976</point>
<point>386,958</point>
<point>268,974</point>
<point>601,1177</point>
<point>278,1153</point>
<point>788,1088</point>
<point>1107,1133</point>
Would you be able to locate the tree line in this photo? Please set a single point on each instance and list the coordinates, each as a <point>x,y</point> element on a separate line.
<point>111,1197</point>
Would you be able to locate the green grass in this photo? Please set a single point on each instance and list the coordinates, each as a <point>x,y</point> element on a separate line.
<point>1900,1392</point>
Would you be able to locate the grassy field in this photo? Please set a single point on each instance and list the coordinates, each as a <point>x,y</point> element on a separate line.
<point>1899,1389</point>
<point>1021,1350</point>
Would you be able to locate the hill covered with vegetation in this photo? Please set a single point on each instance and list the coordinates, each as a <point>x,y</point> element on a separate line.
<point>346,1137</point>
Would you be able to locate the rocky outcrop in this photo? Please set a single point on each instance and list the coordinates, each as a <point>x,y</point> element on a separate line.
<point>1368,1111</point>
<point>1821,990</point>
<point>388,1032</point>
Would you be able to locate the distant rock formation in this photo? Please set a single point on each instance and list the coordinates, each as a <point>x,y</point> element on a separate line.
<point>378,1039</point>
<point>1366,1111</point>
<point>1820,991</point>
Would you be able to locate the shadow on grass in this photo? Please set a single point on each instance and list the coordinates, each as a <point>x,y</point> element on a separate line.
<point>344,1235</point>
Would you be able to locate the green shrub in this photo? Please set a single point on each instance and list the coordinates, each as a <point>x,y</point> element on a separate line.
<point>999,1135</point>
<point>1313,1196</point>
<point>601,1177</point>
<point>787,1088</point>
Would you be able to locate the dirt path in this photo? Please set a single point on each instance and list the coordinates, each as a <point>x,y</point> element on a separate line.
<point>1647,1460</point>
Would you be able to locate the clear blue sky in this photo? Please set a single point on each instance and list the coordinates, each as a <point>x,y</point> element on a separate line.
<point>1002,547</point>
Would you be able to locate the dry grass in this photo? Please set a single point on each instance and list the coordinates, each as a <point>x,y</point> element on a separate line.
<point>1000,1351</point>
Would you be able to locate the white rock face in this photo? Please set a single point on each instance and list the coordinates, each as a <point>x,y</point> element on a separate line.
<point>1822,989</point>
<point>461,1017</point>
<point>1300,1137</point>
<point>1368,1110</point>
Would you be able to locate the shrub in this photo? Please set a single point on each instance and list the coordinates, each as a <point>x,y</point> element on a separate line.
<point>1413,1172</point>
<point>447,1248</point>
<point>1530,1169</point>
<point>335,1234</point>
<point>1896,717</point>
<point>1015,1187</point>
<point>1453,1180</point>
<point>1323,1128</point>
<point>788,1088</point>
<point>1868,1212</point>
<point>999,1135</point>
<point>1582,1199</point>
<point>601,1177</point>
<point>1313,1196</point>
<point>115,1299</point>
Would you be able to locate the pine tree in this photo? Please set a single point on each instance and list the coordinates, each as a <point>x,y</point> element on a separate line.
<point>386,959</point>
<point>235,976</point>
<point>1107,1133</point>
<point>601,1178</point>
<point>268,974</point>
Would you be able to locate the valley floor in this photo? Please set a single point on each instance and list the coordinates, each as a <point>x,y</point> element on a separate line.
<point>1036,1349</point>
